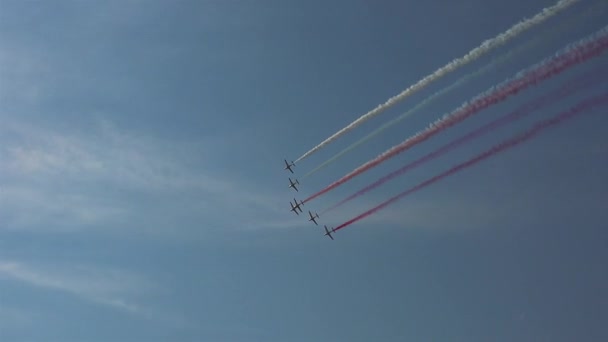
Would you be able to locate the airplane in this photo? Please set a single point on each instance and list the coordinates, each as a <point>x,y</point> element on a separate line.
<point>327,233</point>
<point>292,184</point>
<point>312,218</point>
<point>296,207</point>
<point>288,166</point>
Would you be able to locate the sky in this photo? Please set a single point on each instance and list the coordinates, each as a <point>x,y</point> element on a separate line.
<point>143,196</point>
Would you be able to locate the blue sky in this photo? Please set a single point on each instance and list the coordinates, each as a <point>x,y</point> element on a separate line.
<point>142,195</point>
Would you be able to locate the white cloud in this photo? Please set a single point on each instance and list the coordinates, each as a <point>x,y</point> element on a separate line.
<point>26,206</point>
<point>101,286</point>
<point>121,290</point>
<point>73,180</point>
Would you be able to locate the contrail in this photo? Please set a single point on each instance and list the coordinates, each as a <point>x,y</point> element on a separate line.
<point>580,83</point>
<point>571,55</point>
<point>496,62</point>
<point>505,145</point>
<point>472,55</point>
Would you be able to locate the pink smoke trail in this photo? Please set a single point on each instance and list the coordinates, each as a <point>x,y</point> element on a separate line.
<point>501,147</point>
<point>572,55</point>
<point>582,82</point>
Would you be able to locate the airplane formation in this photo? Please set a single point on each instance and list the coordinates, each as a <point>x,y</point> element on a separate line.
<point>297,207</point>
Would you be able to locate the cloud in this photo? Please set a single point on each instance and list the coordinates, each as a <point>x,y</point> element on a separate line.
<point>110,288</point>
<point>26,206</point>
<point>75,179</point>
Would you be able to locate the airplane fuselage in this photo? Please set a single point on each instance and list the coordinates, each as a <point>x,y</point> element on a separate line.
<point>288,166</point>
<point>292,184</point>
<point>313,218</point>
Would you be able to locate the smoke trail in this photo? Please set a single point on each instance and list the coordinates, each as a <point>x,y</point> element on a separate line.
<point>580,83</point>
<point>496,62</point>
<point>505,145</point>
<point>472,55</point>
<point>564,59</point>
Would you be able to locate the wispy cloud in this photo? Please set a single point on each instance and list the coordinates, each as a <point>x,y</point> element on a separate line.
<point>103,177</point>
<point>100,286</point>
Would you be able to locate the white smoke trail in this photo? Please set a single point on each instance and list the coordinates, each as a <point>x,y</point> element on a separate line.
<point>568,57</point>
<point>472,55</point>
<point>589,14</point>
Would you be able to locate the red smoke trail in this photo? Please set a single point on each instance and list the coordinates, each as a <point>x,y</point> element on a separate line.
<point>581,82</point>
<point>552,66</point>
<point>518,139</point>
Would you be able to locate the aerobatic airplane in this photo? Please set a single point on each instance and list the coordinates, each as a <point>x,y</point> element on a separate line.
<point>327,233</point>
<point>296,207</point>
<point>292,184</point>
<point>288,166</point>
<point>312,218</point>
